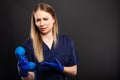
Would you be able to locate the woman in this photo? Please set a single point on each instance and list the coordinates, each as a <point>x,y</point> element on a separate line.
<point>53,54</point>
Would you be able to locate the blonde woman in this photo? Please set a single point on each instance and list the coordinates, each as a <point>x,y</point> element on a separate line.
<point>53,54</point>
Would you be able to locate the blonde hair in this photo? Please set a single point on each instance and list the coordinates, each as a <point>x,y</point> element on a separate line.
<point>35,33</point>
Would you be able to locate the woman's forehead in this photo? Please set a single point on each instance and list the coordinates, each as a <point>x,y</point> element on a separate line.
<point>41,14</point>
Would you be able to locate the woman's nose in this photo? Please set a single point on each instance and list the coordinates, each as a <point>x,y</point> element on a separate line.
<point>42,23</point>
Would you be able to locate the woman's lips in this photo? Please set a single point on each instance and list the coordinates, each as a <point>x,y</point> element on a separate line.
<point>43,29</point>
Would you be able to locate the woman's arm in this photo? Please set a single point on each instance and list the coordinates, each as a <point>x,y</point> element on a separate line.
<point>72,70</point>
<point>31,76</point>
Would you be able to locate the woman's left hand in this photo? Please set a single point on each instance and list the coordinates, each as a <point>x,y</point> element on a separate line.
<point>55,65</point>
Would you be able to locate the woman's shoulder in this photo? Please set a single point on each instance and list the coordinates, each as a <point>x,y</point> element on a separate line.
<point>64,37</point>
<point>27,42</point>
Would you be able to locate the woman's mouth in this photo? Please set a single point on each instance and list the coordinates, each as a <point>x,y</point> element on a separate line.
<point>43,29</point>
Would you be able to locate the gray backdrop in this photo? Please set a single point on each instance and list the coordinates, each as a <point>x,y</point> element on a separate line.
<point>92,24</point>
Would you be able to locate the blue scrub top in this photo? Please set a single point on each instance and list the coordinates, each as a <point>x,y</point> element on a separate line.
<point>64,52</point>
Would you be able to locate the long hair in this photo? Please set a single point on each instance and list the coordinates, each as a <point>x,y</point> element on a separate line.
<point>35,33</point>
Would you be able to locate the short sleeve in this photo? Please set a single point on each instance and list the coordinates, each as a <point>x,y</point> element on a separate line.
<point>72,56</point>
<point>27,45</point>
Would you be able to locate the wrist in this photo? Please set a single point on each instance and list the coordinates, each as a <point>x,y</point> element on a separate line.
<point>61,68</point>
<point>24,73</point>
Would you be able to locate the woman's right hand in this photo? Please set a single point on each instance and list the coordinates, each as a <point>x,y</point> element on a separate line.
<point>24,66</point>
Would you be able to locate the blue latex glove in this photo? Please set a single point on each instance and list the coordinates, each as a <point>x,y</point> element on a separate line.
<point>20,52</point>
<point>23,67</point>
<point>42,67</point>
<point>23,64</point>
<point>55,65</point>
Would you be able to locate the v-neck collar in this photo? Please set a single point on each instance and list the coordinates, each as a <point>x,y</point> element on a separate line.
<point>46,46</point>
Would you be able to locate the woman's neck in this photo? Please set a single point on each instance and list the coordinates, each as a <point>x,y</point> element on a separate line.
<point>48,36</point>
<point>48,39</point>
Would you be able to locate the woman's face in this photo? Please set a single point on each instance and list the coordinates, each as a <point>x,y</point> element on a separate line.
<point>44,21</point>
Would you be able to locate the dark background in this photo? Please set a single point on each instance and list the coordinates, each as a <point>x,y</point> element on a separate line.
<point>92,24</point>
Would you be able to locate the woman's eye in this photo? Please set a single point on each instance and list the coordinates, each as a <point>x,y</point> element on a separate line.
<point>37,20</point>
<point>45,19</point>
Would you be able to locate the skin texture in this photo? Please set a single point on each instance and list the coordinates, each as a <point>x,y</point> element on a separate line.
<point>43,21</point>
